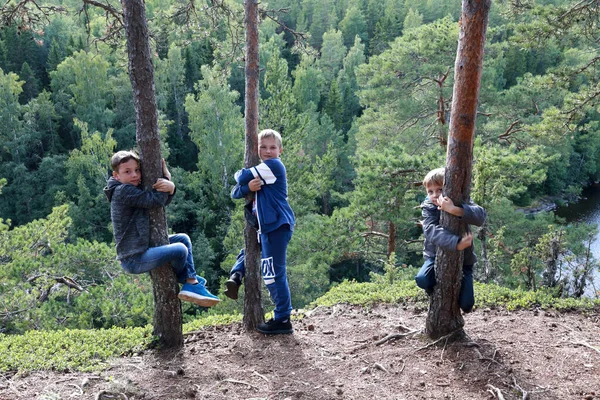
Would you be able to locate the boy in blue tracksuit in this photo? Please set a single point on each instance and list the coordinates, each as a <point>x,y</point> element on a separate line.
<point>436,236</point>
<point>275,220</point>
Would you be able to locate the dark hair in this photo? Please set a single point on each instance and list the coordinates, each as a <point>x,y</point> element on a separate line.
<point>121,157</point>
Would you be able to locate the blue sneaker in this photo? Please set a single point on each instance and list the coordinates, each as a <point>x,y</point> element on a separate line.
<point>201,280</point>
<point>198,294</point>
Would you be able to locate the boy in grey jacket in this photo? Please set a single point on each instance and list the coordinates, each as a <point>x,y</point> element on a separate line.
<point>436,236</point>
<point>129,206</point>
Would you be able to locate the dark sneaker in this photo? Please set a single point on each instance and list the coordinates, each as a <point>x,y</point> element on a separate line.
<point>233,286</point>
<point>272,327</point>
<point>198,294</point>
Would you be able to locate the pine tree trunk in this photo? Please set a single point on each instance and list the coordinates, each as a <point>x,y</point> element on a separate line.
<point>444,315</point>
<point>167,308</point>
<point>253,312</point>
<point>391,245</point>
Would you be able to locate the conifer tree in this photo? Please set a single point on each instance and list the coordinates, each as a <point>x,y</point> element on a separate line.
<point>444,317</point>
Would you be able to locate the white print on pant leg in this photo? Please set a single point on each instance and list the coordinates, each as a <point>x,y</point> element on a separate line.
<point>267,270</point>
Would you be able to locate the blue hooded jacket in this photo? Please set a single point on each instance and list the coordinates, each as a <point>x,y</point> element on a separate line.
<point>272,207</point>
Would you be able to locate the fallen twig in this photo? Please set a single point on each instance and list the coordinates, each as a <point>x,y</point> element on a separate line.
<point>103,394</point>
<point>525,394</point>
<point>582,343</point>
<point>495,391</point>
<point>394,336</point>
<point>380,367</point>
<point>78,387</point>
<point>480,357</point>
<point>262,376</point>
<point>444,349</point>
<point>240,383</point>
<point>403,365</point>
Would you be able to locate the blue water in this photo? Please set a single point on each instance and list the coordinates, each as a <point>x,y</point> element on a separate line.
<point>587,211</point>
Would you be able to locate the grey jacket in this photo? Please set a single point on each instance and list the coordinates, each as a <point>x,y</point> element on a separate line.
<point>129,213</point>
<point>436,236</point>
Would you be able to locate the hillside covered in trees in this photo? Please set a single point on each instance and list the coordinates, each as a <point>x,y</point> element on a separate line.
<point>361,92</point>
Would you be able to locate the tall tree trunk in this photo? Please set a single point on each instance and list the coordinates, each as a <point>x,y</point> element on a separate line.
<point>253,312</point>
<point>167,308</point>
<point>444,315</point>
<point>391,245</point>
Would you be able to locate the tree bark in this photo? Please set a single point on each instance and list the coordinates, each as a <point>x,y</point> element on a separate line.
<point>253,312</point>
<point>444,315</point>
<point>391,245</point>
<point>167,308</point>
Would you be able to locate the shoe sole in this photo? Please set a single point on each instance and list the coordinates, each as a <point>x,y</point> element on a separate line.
<point>277,332</point>
<point>196,299</point>
<point>232,290</point>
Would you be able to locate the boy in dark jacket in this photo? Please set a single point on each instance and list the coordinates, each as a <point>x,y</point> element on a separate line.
<point>129,206</point>
<point>436,236</point>
<point>276,221</point>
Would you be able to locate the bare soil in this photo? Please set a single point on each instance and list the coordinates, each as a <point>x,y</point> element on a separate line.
<point>345,352</point>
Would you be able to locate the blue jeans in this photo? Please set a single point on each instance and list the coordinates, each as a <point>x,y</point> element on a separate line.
<point>178,253</point>
<point>239,266</point>
<point>426,280</point>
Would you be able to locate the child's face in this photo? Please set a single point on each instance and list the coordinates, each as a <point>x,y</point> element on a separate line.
<point>268,148</point>
<point>433,192</point>
<point>129,172</point>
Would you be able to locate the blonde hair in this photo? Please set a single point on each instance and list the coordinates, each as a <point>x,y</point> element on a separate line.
<point>270,133</point>
<point>121,157</point>
<point>435,177</point>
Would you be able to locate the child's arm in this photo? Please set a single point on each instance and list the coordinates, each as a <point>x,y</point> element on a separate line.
<point>465,242</point>
<point>267,172</point>
<point>471,213</point>
<point>136,197</point>
<point>166,172</point>
<point>240,191</point>
<point>164,185</point>
<point>434,233</point>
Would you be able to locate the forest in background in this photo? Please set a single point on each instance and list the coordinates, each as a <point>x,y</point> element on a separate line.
<point>361,92</point>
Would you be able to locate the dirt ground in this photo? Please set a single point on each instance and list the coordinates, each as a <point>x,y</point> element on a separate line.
<point>341,352</point>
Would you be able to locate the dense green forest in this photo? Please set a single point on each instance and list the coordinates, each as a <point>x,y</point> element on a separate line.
<point>361,92</point>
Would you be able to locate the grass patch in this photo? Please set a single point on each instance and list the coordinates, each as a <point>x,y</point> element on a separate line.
<point>211,320</point>
<point>369,293</point>
<point>71,349</point>
<point>486,295</point>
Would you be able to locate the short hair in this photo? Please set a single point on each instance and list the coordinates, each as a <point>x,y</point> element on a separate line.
<point>270,133</point>
<point>435,176</point>
<point>121,157</point>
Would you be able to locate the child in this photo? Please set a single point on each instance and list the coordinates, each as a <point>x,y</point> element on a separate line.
<point>129,206</point>
<point>276,221</point>
<point>436,236</point>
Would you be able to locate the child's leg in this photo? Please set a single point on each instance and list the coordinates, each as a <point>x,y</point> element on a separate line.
<point>239,266</point>
<point>154,257</point>
<point>426,276</point>
<point>273,268</point>
<point>466,298</point>
<point>187,270</point>
<point>232,285</point>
